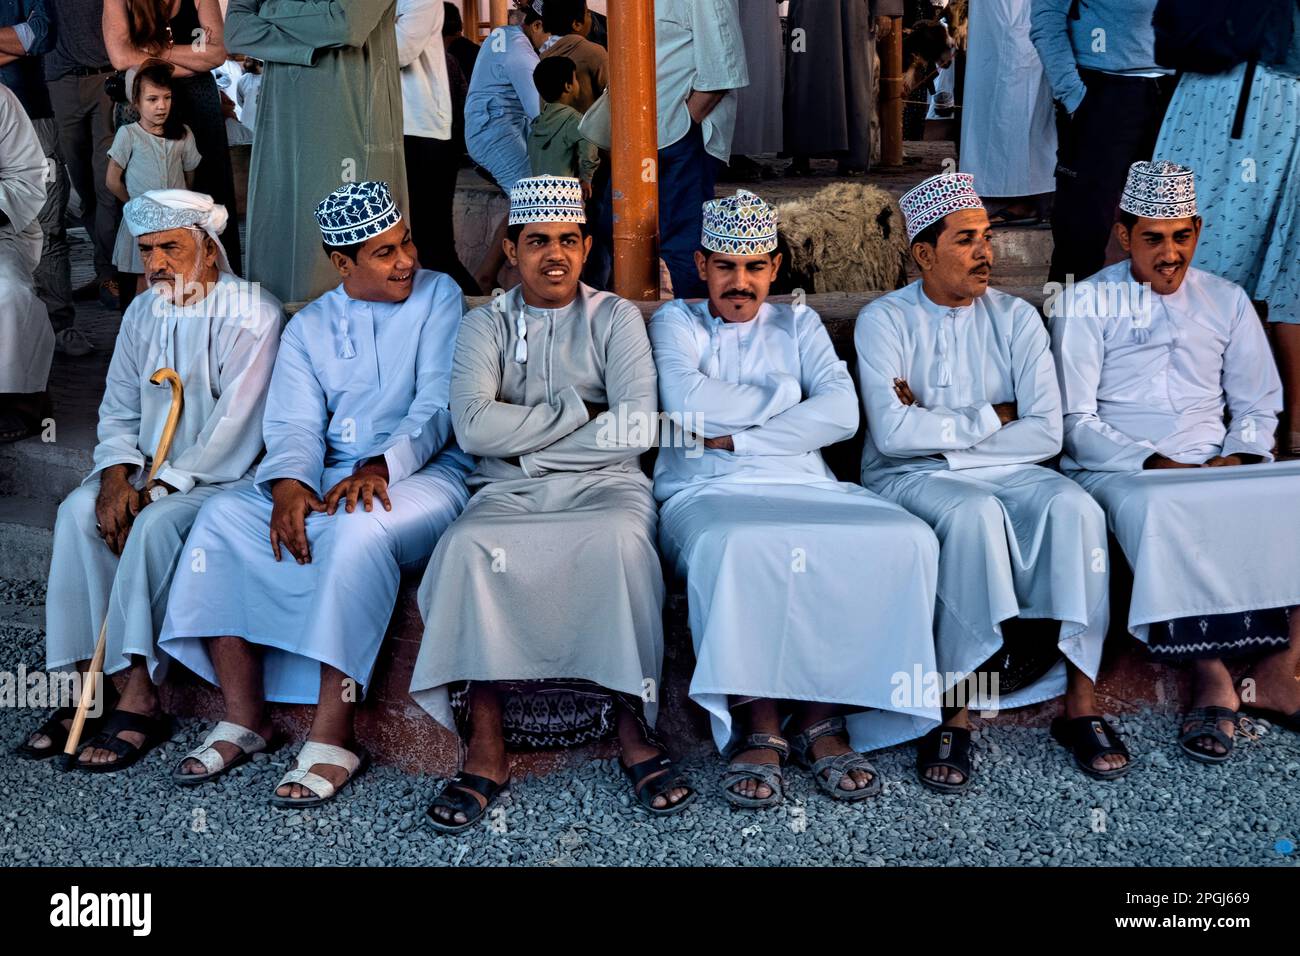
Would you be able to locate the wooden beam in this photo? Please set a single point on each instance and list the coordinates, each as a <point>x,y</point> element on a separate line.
<point>891,96</point>
<point>634,149</point>
<point>498,13</point>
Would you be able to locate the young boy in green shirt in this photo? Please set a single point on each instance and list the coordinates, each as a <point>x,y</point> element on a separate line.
<point>555,147</point>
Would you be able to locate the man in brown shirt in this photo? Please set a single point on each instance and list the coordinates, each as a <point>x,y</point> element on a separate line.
<point>567,22</point>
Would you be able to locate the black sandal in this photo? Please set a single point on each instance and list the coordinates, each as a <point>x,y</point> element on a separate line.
<point>58,734</point>
<point>659,786</point>
<point>1205,723</point>
<point>156,730</point>
<point>945,747</point>
<point>457,796</point>
<point>768,774</point>
<point>1088,738</point>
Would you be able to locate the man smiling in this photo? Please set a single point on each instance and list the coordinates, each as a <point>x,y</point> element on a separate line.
<point>962,404</point>
<point>547,594</point>
<point>361,476</point>
<point>1146,386</point>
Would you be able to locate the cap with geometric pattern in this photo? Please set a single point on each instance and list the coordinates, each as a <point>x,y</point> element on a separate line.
<point>739,225</point>
<point>547,199</point>
<point>355,212</point>
<point>1159,190</point>
<point>927,203</point>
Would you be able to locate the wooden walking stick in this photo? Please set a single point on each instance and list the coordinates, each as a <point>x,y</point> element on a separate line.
<point>94,672</point>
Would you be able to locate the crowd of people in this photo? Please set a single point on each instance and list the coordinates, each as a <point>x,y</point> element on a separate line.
<point>386,429</point>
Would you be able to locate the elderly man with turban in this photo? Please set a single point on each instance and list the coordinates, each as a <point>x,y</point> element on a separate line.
<point>119,537</point>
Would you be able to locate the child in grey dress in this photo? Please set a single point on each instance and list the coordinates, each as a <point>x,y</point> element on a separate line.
<point>155,152</point>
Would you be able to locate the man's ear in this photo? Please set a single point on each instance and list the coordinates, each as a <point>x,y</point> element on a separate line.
<point>702,264</point>
<point>511,251</point>
<point>1123,237</point>
<point>925,255</point>
<point>209,252</point>
<point>586,247</point>
<point>776,263</point>
<point>342,263</point>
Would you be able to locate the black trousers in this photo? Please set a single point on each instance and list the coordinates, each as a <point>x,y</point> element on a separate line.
<point>431,169</point>
<point>1115,126</point>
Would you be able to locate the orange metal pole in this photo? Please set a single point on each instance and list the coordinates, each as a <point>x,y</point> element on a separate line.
<point>498,13</point>
<point>891,96</point>
<point>634,150</point>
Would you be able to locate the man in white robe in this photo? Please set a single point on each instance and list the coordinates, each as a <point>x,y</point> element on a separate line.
<point>962,405</point>
<point>120,536</point>
<point>1152,353</point>
<point>807,596</point>
<point>361,476</point>
<point>551,575</point>
<point>26,339</point>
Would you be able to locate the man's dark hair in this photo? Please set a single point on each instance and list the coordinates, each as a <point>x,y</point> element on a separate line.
<point>350,250</point>
<point>514,232</point>
<point>451,21</point>
<point>1128,220</point>
<point>559,16</point>
<point>552,74</point>
<point>531,15</point>
<point>930,234</point>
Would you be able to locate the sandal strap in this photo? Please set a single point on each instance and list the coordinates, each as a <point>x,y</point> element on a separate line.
<point>946,747</point>
<point>827,727</point>
<point>1205,723</point>
<point>840,766</point>
<point>313,753</point>
<point>318,785</point>
<point>121,721</point>
<point>778,745</point>
<point>248,741</point>
<point>639,771</point>
<point>767,773</point>
<point>1092,736</point>
<point>485,787</point>
<point>457,800</point>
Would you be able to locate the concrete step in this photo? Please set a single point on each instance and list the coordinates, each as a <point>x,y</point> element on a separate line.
<point>26,537</point>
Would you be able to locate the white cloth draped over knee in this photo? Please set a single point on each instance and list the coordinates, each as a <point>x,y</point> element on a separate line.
<point>1155,375</point>
<point>26,339</point>
<point>355,380</point>
<point>551,572</point>
<point>1015,539</point>
<point>800,587</point>
<point>223,348</point>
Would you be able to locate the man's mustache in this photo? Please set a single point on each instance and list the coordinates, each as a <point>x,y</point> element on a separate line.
<point>738,294</point>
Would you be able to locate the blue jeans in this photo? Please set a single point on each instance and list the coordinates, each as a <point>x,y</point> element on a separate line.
<point>687,175</point>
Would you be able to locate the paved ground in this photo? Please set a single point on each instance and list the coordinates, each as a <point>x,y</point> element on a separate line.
<point>1029,807</point>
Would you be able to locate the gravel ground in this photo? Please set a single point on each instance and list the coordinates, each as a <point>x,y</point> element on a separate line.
<point>1028,807</point>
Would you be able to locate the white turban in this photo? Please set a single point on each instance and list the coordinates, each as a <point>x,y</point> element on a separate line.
<point>161,209</point>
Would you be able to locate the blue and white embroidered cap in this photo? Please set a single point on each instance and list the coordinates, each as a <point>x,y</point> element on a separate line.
<point>1159,190</point>
<point>547,199</point>
<point>925,204</point>
<point>355,212</point>
<point>739,225</point>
